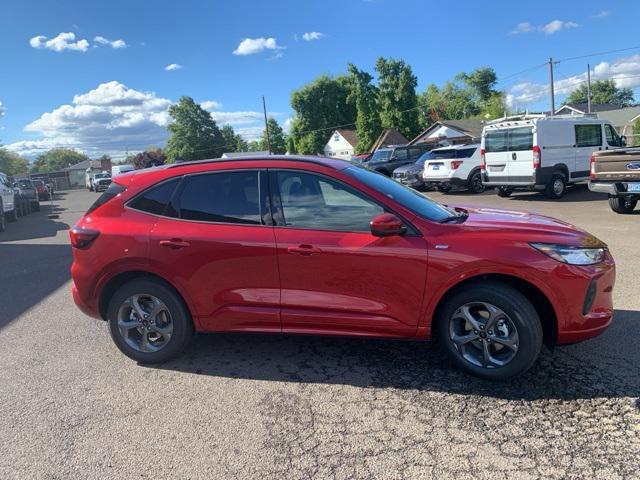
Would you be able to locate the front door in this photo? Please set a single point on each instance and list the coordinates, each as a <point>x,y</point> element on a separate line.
<point>217,240</point>
<point>336,277</point>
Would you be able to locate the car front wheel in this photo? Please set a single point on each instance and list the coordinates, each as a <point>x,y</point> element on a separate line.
<point>490,330</point>
<point>149,322</point>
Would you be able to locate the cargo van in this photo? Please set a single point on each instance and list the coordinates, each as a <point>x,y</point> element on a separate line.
<point>541,152</point>
<point>118,169</point>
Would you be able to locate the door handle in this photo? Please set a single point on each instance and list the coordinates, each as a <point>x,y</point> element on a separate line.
<point>174,243</point>
<point>304,250</point>
<point>514,156</point>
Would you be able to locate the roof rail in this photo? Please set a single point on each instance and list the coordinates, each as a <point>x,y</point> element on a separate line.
<point>296,158</point>
<point>534,116</point>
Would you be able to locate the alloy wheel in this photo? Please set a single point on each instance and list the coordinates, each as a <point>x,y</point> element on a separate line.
<point>483,335</point>
<point>145,323</point>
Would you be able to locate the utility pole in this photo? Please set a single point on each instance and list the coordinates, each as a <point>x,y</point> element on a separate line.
<point>551,93</point>
<point>588,88</point>
<point>266,124</point>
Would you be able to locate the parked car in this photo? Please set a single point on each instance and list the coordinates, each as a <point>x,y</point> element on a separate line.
<point>411,175</point>
<point>386,160</point>
<point>118,169</point>
<point>41,189</point>
<point>360,158</point>
<point>308,245</point>
<point>101,181</point>
<point>457,165</point>
<point>8,212</point>
<point>539,152</point>
<point>28,193</point>
<point>617,173</point>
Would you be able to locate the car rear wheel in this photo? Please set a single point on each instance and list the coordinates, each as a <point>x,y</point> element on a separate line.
<point>149,322</point>
<point>12,216</point>
<point>36,206</point>
<point>490,330</point>
<point>444,187</point>
<point>504,191</point>
<point>475,182</point>
<point>556,187</point>
<point>622,205</point>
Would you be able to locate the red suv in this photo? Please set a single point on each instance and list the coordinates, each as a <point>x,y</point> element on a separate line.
<point>318,246</point>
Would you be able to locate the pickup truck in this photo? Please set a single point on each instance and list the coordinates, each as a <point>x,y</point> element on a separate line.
<point>617,173</point>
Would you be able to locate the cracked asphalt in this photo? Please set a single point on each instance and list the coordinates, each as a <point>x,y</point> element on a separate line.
<point>257,406</point>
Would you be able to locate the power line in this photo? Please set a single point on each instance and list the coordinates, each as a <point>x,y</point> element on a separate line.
<point>596,54</point>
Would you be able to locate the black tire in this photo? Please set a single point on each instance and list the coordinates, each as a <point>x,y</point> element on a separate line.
<point>444,187</point>
<point>622,205</point>
<point>557,186</point>
<point>474,183</point>
<point>504,192</point>
<point>36,206</point>
<point>522,316</point>
<point>182,323</point>
<point>12,216</point>
<point>3,220</point>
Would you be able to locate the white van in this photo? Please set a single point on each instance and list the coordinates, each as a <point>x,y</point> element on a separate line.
<point>118,169</point>
<point>541,152</point>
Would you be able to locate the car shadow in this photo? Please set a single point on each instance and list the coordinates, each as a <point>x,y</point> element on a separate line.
<point>36,225</point>
<point>575,193</point>
<point>564,374</point>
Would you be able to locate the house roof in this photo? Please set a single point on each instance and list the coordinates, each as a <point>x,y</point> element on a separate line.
<point>620,116</point>
<point>469,126</point>
<point>84,165</point>
<point>349,135</point>
<point>389,136</point>
<point>595,108</point>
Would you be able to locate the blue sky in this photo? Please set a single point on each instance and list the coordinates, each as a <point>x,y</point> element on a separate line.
<point>103,85</point>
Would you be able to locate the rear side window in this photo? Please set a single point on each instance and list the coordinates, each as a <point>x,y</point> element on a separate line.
<point>588,135</point>
<point>512,139</point>
<point>440,154</point>
<point>465,152</point>
<point>113,190</point>
<point>155,199</point>
<point>224,197</point>
<point>400,154</point>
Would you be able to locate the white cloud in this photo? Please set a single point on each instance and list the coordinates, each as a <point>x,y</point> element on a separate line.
<point>250,133</point>
<point>211,105</point>
<point>625,72</point>
<point>310,36</point>
<point>523,27</point>
<point>2,110</point>
<point>602,14</point>
<point>286,126</point>
<point>114,44</point>
<point>237,118</point>
<point>64,41</point>
<point>250,46</point>
<point>173,66</point>
<point>557,25</point>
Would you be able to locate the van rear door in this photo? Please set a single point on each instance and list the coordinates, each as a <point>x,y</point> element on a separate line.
<point>509,154</point>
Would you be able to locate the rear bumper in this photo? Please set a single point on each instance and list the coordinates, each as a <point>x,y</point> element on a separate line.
<point>617,189</point>
<point>91,310</point>
<point>459,182</point>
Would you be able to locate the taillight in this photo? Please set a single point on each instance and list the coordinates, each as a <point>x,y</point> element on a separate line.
<point>82,237</point>
<point>537,157</point>
<point>455,164</point>
<point>592,167</point>
<point>483,160</point>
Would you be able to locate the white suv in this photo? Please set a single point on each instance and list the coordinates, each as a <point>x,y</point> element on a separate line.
<point>457,165</point>
<point>7,202</point>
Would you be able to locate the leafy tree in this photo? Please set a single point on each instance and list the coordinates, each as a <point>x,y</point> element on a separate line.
<point>481,83</point>
<point>494,107</point>
<point>276,136</point>
<point>635,141</point>
<point>11,163</point>
<point>255,146</point>
<point>291,145</point>
<point>58,159</point>
<point>449,103</point>
<point>151,157</point>
<point>233,142</point>
<point>603,91</point>
<point>194,133</point>
<point>320,106</point>
<point>397,96</point>
<point>364,95</point>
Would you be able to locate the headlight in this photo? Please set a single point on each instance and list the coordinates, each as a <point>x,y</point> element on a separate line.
<point>572,255</point>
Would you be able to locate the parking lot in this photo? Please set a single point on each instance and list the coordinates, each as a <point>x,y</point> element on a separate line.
<point>246,406</point>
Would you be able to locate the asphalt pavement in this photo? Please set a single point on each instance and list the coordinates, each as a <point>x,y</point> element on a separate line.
<point>256,406</point>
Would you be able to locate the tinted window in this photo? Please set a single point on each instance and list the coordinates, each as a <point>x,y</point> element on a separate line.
<point>410,199</point>
<point>156,199</point>
<point>512,139</point>
<point>613,139</point>
<point>465,152</point>
<point>415,152</point>
<point>588,135</point>
<point>400,154</point>
<point>113,190</point>
<point>381,155</point>
<point>315,202</point>
<point>496,141</point>
<point>226,197</point>
<point>521,138</point>
<point>440,154</point>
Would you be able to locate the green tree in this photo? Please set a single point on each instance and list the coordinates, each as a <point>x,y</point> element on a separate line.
<point>276,136</point>
<point>57,159</point>
<point>452,102</point>
<point>397,96</point>
<point>635,141</point>
<point>254,146</point>
<point>233,142</point>
<point>194,133</point>
<point>481,83</point>
<point>291,145</point>
<point>603,91</point>
<point>364,95</point>
<point>494,107</point>
<point>11,163</point>
<point>319,107</point>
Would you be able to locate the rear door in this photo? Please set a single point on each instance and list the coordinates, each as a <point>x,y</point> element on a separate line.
<point>496,146</point>
<point>588,140</point>
<point>520,154</point>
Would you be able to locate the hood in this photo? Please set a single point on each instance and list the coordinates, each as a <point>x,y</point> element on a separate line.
<point>529,227</point>
<point>408,168</point>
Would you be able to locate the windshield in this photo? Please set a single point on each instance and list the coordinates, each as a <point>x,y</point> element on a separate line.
<point>24,184</point>
<point>101,175</point>
<point>408,198</point>
<point>381,155</point>
<point>424,157</point>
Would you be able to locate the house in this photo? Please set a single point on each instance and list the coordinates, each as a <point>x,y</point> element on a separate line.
<point>389,136</point>
<point>342,144</point>
<point>451,132</point>
<point>622,118</point>
<point>261,153</point>
<point>76,173</point>
<point>581,108</point>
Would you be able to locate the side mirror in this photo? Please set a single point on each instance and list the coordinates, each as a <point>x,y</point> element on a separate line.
<point>387,225</point>
<point>623,141</point>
